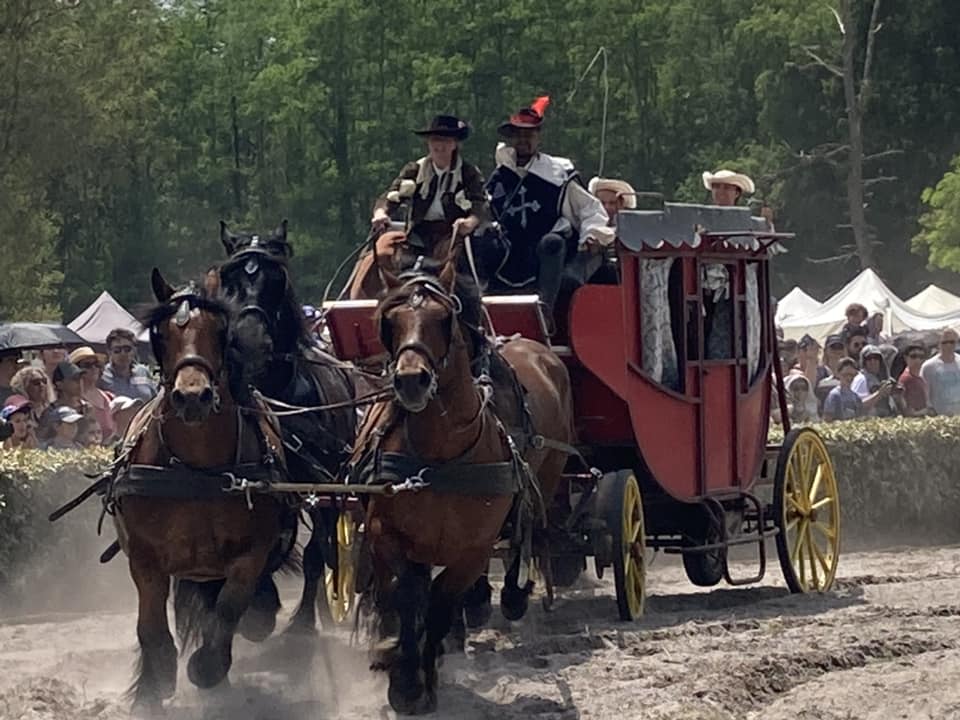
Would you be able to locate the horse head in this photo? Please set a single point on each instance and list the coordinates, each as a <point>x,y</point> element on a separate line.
<point>422,321</point>
<point>188,331</point>
<point>269,321</point>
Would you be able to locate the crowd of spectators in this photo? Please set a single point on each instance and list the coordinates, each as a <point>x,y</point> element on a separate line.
<point>862,374</point>
<point>68,401</point>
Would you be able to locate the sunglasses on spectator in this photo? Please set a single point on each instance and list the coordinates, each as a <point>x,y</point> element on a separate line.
<point>948,342</point>
<point>917,356</point>
<point>835,346</point>
<point>118,349</point>
<point>88,365</point>
<point>37,382</point>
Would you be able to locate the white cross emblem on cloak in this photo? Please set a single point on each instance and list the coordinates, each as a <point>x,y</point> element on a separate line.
<point>522,207</point>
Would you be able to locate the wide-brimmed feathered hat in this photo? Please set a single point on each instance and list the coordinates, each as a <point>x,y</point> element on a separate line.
<point>446,126</point>
<point>526,118</point>
<point>728,177</point>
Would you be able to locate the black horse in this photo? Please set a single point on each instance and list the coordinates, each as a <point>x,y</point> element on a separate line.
<point>271,348</point>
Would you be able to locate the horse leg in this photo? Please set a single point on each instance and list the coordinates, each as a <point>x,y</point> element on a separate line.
<point>477,606</point>
<point>210,663</point>
<point>260,619</point>
<point>305,618</point>
<point>156,677</point>
<point>446,598</point>
<point>514,599</point>
<point>406,676</point>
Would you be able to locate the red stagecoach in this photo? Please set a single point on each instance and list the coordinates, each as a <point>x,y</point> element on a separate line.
<point>674,374</point>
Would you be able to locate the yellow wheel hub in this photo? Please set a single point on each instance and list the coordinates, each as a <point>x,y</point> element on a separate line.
<point>340,586</point>
<point>811,514</point>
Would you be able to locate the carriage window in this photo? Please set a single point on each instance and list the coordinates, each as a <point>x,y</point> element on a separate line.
<point>659,350</point>
<point>754,323</point>
<point>718,304</point>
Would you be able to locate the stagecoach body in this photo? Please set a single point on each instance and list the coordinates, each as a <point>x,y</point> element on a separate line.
<point>674,371</point>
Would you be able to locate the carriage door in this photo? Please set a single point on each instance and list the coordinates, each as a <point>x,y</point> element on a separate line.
<point>722,294</point>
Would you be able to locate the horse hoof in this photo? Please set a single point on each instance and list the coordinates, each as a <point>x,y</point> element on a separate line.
<point>257,626</point>
<point>206,669</point>
<point>143,709</point>
<point>513,604</point>
<point>408,698</point>
<point>383,657</point>
<point>476,616</point>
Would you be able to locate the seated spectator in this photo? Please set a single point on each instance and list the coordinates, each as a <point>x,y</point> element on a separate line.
<point>9,365</point>
<point>89,433</point>
<point>32,383</point>
<point>856,318</point>
<point>99,400</point>
<point>17,413</point>
<point>878,392</point>
<point>123,375</point>
<point>843,403</point>
<point>66,425</point>
<point>915,400</point>
<point>123,409</point>
<point>942,375</point>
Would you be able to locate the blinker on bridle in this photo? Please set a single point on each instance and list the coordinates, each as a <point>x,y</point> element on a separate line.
<point>188,301</point>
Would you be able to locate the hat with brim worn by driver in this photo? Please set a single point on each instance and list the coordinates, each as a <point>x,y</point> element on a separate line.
<point>728,177</point>
<point>622,188</point>
<point>528,118</point>
<point>448,126</point>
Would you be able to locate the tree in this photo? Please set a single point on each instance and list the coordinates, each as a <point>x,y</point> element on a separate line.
<point>941,222</point>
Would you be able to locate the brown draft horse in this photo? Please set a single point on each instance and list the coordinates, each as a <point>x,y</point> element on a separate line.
<point>191,438</point>
<point>390,250</point>
<point>440,420</point>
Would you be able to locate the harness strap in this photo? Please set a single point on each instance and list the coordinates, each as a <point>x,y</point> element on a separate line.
<point>496,478</point>
<point>185,482</point>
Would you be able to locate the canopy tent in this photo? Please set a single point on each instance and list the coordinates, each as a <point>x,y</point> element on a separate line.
<point>933,300</point>
<point>103,315</point>
<point>795,303</point>
<point>868,290</point>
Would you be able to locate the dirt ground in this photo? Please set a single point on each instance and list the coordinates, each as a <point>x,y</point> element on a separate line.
<point>884,644</point>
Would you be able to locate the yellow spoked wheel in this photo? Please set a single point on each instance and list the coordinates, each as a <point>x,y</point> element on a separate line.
<point>806,501</point>
<point>619,503</point>
<point>341,585</point>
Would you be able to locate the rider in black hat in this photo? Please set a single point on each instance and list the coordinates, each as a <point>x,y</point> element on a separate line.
<point>443,191</point>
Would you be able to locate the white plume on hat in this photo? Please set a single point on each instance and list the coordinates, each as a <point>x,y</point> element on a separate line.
<point>621,187</point>
<point>728,177</point>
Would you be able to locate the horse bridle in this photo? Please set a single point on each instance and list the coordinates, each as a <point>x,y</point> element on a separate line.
<point>187,300</point>
<point>430,287</point>
<point>251,256</point>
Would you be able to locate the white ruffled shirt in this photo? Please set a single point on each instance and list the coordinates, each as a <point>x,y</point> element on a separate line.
<point>580,209</point>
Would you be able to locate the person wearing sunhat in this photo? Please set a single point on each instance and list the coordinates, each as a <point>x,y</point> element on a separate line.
<point>443,190</point>
<point>545,214</point>
<point>615,195</point>
<point>727,187</point>
<point>99,400</point>
<point>16,411</point>
<point>66,421</point>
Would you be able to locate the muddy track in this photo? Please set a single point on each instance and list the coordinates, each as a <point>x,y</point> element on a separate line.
<point>885,643</point>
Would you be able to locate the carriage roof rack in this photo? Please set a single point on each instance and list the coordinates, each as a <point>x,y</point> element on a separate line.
<point>684,225</point>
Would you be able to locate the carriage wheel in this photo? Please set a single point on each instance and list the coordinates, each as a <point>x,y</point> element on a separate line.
<point>619,504</point>
<point>340,586</point>
<point>706,569</point>
<point>806,505</point>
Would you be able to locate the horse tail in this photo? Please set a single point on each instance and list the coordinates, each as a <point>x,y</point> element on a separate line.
<point>193,605</point>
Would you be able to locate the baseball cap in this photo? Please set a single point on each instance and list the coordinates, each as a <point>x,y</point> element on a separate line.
<point>122,402</point>
<point>834,340</point>
<point>67,414</point>
<point>14,404</point>
<point>66,370</point>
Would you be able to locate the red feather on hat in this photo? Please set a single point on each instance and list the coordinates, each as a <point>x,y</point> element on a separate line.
<point>539,106</point>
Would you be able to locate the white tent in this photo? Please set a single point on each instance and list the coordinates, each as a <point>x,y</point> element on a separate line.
<point>795,303</point>
<point>933,300</point>
<point>103,315</point>
<point>868,290</point>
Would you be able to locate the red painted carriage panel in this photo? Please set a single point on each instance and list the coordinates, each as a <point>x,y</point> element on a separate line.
<point>754,414</point>
<point>719,427</point>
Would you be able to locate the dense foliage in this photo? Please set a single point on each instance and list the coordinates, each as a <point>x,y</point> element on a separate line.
<point>129,127</point>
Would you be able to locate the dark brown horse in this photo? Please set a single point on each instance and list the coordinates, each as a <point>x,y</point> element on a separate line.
<point>173,519</point>
<point>441,429</point>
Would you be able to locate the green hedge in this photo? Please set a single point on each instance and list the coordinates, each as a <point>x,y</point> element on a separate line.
<point>38,557</point>
<point>899,478</point>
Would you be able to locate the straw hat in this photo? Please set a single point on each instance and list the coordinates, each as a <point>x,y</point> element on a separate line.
<point>728,177</point>
<point>84,353</point>
<point>621,187</point>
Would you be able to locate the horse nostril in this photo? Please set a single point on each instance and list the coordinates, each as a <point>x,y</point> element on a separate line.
<point>206,396</point>
<point>178,398</point>
<point>424,378</point>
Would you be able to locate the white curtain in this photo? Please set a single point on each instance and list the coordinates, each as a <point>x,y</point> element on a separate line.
<point>659,352</point>
<point>754,322</point>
